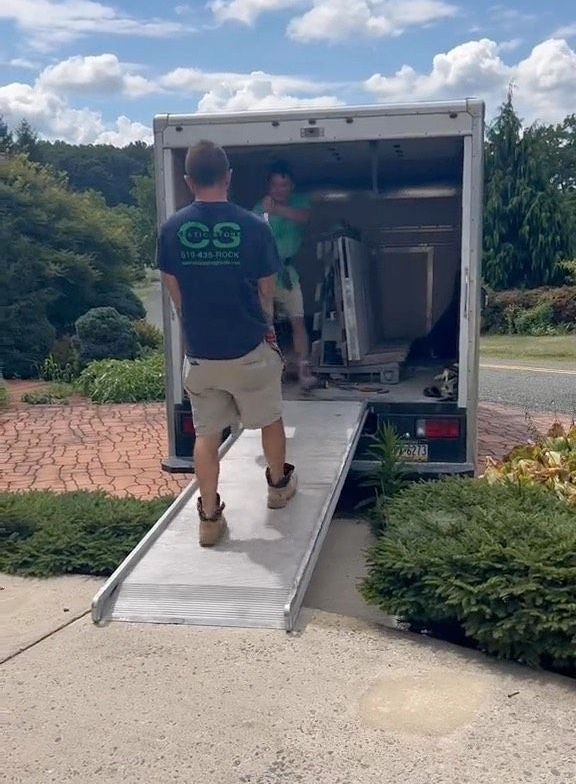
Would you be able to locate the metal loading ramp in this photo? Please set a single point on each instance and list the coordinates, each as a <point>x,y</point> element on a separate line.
<point>258,575</point>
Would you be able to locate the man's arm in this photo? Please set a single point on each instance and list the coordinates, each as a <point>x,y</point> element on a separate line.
<point>173,287</point>
<point>266,289</point>
<point>294,214</point>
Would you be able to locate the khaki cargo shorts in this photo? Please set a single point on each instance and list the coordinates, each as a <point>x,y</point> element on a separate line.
<point>225,393</point>
<point>289,303</point>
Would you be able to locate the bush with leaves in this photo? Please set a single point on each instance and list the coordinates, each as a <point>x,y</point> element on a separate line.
<point>61,366</point>
<point>61,252</point>
<point>388,477</point>
<point>550,461</point>
<point>4,397</point>
<point>495,563</point>
<point>124,381</point>
<point>104,334</point>
<point>123,299</point>
<point>54,394</point>
<point>149,336</point>
<point>44,533</point>
<point>512,312</point>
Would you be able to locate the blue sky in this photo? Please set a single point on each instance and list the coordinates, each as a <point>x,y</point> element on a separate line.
<point>90,71</point>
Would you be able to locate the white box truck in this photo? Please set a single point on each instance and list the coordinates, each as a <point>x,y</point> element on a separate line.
<point>390,265</point>
<point>390,271</point>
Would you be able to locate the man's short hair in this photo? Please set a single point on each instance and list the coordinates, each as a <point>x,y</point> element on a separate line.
<point>280,169</point>
<point>206,164</point>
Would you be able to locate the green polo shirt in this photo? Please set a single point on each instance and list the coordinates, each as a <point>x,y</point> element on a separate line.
<point>288,234</point>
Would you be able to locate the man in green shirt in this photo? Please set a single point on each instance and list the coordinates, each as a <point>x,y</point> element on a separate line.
<point>288,213</point>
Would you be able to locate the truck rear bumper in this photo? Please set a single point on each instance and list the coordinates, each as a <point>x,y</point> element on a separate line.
<point>419,469</point>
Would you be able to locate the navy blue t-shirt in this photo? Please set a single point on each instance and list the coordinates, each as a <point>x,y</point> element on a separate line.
<point>218,252</point>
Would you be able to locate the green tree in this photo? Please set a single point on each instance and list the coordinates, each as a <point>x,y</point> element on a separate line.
<point>144,195</point>
<point>61,253</point>
<point>6,140</point>
<point>99,167</point>
<point>26,140</point>
<point>527,227</point>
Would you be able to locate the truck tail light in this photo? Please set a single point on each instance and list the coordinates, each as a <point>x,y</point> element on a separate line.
<point>438,428</point>
<point>187,425</point>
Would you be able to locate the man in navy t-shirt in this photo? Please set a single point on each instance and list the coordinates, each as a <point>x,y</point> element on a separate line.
<point>219,264</point>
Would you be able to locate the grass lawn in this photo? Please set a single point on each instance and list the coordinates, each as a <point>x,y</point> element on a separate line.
<point>555,348</point>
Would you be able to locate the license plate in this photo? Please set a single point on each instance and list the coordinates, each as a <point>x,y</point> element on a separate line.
<point>414,453</point>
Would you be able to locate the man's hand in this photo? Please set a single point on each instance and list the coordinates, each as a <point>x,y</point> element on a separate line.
<point>268,204</point>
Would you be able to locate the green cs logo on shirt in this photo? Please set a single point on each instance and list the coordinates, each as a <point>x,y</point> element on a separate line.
<point>197,236</point>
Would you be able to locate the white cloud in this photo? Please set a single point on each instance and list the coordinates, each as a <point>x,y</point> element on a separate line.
<point>125,131</point>
<point>48,23</point>
<point>569,31</point>
<point>99,73</point>
<point>544,81</point>
<point>45,104</point>
<point>22,62</point>
<point>510,17</point>
<point>53,118</point>
<point>511,45</point>
<point>230,92</point>
<point>336,20</point>
<point>247,11</point>
<point>195,80</point>
<point>259,93</point>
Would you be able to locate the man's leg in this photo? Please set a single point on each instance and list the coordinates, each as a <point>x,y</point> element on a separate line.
<point>207,468</point>
<point>258,395</point>
<point>300,338</point>
<point>213,410</point>
<point>274,445</point>
<point>302,351</point>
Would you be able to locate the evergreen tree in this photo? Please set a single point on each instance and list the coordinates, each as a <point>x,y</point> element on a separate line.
<point>6,140</point>
<point>26,140</point>
<point>526,225</point>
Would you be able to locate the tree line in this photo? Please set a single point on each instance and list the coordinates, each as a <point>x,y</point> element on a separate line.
<point>78,225</point>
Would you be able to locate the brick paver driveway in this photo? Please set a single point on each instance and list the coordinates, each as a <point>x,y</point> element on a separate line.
<point>119,448</point>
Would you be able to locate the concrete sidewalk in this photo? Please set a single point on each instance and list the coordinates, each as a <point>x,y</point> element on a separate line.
<point>343,701</point>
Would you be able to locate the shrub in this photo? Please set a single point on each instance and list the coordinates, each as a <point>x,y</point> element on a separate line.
<point>389,476</point>
<point>127,381</point>
<point>504,308</point>
<point>569,267</point>
<point>550,462</point>
<point>124,300</point>
<point>4,397</point>
<point>54,369</point>
<point>149,336</point>
<point>104,334</point>
<point>44,399</point>
<point>45,533</point>
<point>493,562</point>
<point>25,340</point>
<point>538,320</point>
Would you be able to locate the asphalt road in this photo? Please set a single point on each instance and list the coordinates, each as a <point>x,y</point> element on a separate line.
<point>527,385</point>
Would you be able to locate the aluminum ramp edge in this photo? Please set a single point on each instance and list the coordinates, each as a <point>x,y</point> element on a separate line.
<point>307,565</point>
<point>106,593</point>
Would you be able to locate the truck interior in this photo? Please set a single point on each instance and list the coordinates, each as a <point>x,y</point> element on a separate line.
<point>386,215</point>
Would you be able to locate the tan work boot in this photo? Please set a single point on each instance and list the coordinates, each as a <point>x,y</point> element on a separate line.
<point>279,495</point>
<point>212,529</point>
